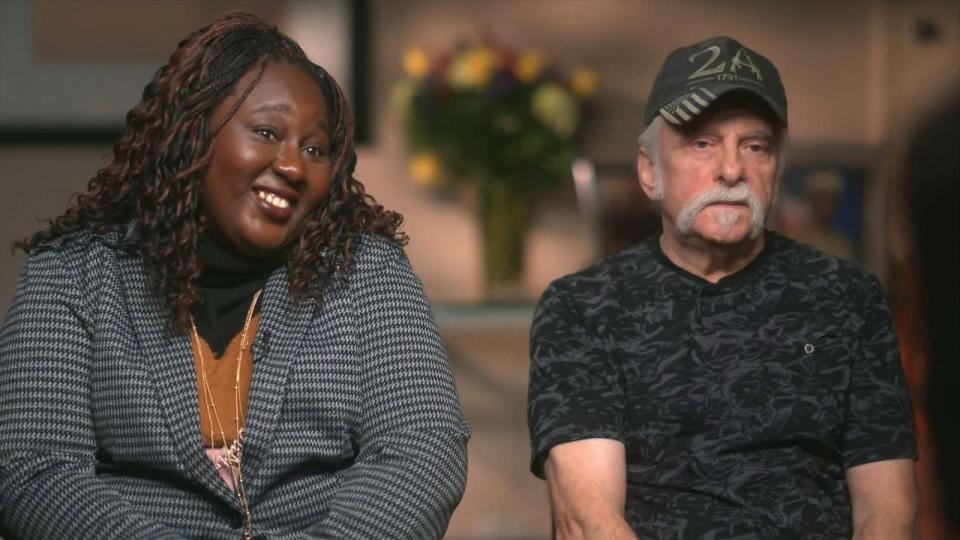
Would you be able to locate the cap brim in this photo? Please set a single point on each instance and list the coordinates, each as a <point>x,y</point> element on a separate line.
<point>702,97</point>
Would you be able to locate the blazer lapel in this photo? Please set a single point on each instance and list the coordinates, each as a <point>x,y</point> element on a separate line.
<point>169,357</point>
<point>283,324</point>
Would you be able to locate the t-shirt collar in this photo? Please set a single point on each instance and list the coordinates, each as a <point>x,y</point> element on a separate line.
<point>733,280</point>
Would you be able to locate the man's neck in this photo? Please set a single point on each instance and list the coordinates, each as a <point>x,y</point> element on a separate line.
<point>709,260</point>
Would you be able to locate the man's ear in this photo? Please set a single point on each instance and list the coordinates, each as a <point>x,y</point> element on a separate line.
<point>645,171</point>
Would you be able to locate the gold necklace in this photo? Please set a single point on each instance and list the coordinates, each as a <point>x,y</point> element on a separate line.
<point>233,455</point>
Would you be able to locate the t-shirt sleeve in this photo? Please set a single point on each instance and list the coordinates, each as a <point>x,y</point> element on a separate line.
<point>879,418</point>
<point>575,392</point>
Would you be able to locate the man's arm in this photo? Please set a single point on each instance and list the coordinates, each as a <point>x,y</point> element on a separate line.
<point>884,499</point>
<point>587,480</point>
<point>879,443</point>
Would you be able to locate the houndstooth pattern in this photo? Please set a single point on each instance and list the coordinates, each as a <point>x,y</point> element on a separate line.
<point>354,427</point>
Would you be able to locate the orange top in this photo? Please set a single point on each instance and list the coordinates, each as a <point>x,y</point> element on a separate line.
<point>221,376</point>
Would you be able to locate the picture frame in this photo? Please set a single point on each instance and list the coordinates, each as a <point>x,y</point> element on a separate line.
<point>827,199</point>
<point>70,71</point>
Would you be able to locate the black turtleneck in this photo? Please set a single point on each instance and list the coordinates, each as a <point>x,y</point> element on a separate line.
<point>227,284</point>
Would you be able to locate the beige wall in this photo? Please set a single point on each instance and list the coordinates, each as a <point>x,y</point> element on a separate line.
<point>853,71</point>
<point>855,77</point>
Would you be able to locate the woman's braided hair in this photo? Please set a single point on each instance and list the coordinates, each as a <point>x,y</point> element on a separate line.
<point>155,175</point>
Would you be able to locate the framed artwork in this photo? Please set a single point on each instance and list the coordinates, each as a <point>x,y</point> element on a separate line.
<point>70,71</point>
<point>822,202</point>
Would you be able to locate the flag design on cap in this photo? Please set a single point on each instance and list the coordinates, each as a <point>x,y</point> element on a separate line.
<point>686,107</point>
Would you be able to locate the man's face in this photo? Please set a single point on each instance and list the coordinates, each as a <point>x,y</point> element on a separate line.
<point>718,176</point>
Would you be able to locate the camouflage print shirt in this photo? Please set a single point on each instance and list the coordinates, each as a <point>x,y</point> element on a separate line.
<point>740,403</point>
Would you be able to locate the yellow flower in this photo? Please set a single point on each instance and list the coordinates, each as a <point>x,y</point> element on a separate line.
<point>425,170</point>
<point>556,108</point>
<point>416,63</point>
<point>584,82</point>
<point>473,69</point>
<point>528,66</point>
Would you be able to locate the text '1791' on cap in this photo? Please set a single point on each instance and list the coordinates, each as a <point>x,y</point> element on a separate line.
<point>693,77</point>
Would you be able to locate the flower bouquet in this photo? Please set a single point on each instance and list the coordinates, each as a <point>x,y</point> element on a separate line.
<point>505,123</point>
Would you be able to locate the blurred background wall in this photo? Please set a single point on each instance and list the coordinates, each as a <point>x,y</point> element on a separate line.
<point>858,74</point>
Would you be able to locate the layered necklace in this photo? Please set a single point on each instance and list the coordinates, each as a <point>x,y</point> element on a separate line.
<point>230,458</point>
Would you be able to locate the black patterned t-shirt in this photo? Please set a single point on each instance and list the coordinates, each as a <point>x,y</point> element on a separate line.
<point>740,404</point>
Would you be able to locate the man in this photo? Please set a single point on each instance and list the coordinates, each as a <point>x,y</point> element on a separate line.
<point>720,380</point>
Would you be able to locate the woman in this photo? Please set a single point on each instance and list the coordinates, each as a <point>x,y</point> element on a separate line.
<point>222,338</point>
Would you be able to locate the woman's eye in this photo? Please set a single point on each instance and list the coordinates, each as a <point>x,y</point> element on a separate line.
<point>266,133</point>
<point>315,152</point>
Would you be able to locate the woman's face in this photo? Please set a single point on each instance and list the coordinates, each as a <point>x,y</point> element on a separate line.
<point>271,164</point>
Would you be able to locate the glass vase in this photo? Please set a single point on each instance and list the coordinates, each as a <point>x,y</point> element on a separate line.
<point>505,214</point>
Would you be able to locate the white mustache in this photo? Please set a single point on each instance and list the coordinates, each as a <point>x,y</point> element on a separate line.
<point>719,193</point>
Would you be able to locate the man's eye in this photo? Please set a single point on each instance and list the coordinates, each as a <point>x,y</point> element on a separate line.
<point>757,148</point>
<point>701,144</point>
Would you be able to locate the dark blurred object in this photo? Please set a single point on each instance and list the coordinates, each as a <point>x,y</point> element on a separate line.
<point>931,175</point>
<point>611,200</point>
<point>927,31</point>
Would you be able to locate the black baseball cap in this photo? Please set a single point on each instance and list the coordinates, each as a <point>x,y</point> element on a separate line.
<point>693,77</point>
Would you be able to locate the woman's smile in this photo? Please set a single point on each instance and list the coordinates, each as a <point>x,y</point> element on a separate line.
<point>278,203</point>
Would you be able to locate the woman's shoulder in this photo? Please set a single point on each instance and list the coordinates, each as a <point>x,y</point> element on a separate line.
<point>376,252</point>
<point>82,251</point>
<point>380,265</point>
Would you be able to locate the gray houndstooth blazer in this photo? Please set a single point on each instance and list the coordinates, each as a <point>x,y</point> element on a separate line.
<point>354,427</point>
